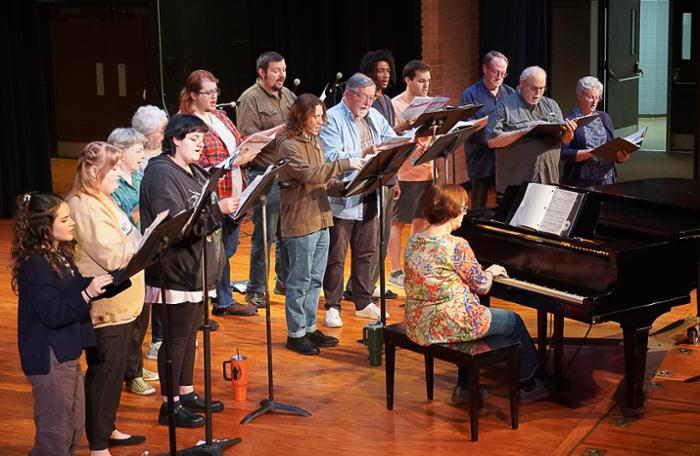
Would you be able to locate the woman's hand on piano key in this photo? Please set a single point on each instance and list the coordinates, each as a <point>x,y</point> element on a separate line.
<point>497,270</point>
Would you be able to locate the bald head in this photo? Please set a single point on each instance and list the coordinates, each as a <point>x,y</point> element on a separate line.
<point>533,83</point>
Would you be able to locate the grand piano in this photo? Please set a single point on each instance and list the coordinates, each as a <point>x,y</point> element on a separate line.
<point>631,255</point>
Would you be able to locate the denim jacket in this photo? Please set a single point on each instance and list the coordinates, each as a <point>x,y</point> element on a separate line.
<point>339,139</point>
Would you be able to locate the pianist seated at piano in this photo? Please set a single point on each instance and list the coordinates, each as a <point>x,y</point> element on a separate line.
<point>443,283</point>
<point>581,168</point>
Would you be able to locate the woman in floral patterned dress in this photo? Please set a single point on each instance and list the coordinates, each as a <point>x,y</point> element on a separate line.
<point>443,283</point>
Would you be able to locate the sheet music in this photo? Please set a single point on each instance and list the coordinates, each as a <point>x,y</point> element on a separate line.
<point>419,105</point>
<point>248,191</point>
<point>637,137</point>
<point>460,125</point>
<point>255,142</point>
<point>159,218</point>
<point>546,208</point>
<point>322,97</point>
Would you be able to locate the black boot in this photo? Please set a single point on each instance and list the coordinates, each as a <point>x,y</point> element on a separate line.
<point>302,345</point>
<point>183,417</point>
<point>196,404</point>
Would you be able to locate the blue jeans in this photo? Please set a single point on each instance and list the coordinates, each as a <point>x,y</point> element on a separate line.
<point>308,254</point>
<point>509,324</point>
<point>229,234</point>
<point>256,278</point>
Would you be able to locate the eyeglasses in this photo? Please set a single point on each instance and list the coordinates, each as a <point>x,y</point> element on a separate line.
<point>364,98</point>
<point>209,93</point>
<point>537,89</point>
<point>498,74</point>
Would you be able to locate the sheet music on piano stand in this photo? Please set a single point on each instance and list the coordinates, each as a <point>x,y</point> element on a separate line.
<point>548,208</point>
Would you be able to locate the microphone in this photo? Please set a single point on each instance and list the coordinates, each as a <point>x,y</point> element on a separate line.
<point>230,104</point>
<point>295,84</point>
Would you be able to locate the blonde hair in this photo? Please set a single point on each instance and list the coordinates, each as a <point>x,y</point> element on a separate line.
<point>100,155</point>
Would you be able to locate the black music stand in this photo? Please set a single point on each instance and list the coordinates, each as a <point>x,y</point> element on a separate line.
<point>378,171</point>
<point>258,197</point>
<point>443,147</point>
<point>440,123</point>
<point>211,447</point>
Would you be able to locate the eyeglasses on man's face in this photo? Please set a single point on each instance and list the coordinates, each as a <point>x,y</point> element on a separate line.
<point>210,93</point>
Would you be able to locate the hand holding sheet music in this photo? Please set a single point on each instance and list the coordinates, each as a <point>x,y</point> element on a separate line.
<point>628,144</point>
<point>250,148</point>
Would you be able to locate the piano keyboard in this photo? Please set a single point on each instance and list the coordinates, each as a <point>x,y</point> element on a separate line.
<point>539,289</point>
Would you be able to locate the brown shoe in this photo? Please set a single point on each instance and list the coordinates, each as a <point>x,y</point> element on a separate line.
<point>237,309</point>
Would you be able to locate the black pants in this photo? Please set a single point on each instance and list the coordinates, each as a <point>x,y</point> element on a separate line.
<point>103,380</point>
<point>183,321</point>
<point>480,191</point>
<point>134,357</point>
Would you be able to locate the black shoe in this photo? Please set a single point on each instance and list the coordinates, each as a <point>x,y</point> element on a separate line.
<point>235,309</point>
<point>388,294</point>
<point>132,440</point>
<point>321,340</point>
<point>302,345</point>
<point>196,404</point>
<point>280,289</point>
<point>183,417</point>
<point>347,295</point>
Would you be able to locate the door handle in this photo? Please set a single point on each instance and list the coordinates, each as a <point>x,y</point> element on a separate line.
<point>638,73</point>
<point>677,77</point>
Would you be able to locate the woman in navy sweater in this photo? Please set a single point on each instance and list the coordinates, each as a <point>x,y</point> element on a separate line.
<point>53,319</point>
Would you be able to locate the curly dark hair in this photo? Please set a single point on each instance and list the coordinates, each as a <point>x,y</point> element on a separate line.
<point>33,233</point>
<point>368,64</point>
<point>302,108</point>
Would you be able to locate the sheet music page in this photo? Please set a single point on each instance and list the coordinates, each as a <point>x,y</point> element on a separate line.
<point>159,218</point>
<point>419,105</point>
<point>460,125</point>
<point>533,206</point>
<point>245,194</point>
<point>545,208</point>
<point>637,137</point>
<point>393,142</point>
<point>256,142</point>
<point>560,206</point>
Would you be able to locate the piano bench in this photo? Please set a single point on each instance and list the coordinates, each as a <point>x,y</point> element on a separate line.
<point>470,356</point>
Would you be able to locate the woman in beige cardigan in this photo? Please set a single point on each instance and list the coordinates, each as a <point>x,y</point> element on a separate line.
<point>106,241</point>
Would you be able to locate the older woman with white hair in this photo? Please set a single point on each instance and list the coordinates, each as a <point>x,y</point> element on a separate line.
<point>150,121</point>
<point>581,168</point>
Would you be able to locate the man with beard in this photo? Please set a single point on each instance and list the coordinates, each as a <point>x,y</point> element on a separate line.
<point>262,106</point>
<point>488,91</point>
<point>530,159</point>
<point>353,130</point>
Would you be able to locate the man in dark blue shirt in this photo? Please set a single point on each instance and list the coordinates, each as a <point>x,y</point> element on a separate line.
<point>487,91</point>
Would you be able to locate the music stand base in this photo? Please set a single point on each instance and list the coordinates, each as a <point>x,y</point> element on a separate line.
<point>267,405</point>
<point>215,449</point>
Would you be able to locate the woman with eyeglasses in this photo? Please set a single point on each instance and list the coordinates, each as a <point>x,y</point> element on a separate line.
<point>581,168</point>
<point>443,283</point>
<point>198,98</point>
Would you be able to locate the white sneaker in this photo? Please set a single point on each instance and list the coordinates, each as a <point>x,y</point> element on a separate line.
<point>153,348</point>
<point>150,376</point>
<point>396,280</point>
<point>371,312</point>
<point>333,319</point>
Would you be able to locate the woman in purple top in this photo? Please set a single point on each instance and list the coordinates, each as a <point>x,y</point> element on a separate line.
<point>581,168</point>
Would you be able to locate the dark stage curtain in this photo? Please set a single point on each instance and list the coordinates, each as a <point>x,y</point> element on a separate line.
<point>24,134</point>
<point>519,29</point>
<point>320,38</point>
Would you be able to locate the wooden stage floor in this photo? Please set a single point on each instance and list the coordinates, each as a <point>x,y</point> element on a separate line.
<point>347,397</point>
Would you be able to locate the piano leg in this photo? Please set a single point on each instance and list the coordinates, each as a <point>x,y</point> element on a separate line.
<point>636,339</point>
<point>542,338</point>
<point>558,345</point>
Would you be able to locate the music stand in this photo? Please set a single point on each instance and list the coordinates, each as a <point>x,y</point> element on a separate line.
<point>192,228</point>
<point>258,197</point>
<point>440,123</point>
<point>378,171</point>
<point>443,147</point>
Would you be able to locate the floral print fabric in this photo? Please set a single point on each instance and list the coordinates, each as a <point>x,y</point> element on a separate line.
<point>442,280</point>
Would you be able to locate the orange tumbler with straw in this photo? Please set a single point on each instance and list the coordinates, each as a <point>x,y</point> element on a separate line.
<point>238,375</point>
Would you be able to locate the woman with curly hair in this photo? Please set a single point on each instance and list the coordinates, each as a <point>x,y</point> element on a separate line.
<point>53,319</point>
<point>106,241</point>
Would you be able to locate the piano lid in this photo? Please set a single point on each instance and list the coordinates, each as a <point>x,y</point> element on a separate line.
<point>666,191</point>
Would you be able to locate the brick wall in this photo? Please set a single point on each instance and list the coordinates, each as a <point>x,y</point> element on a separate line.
<point>450,42</point>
